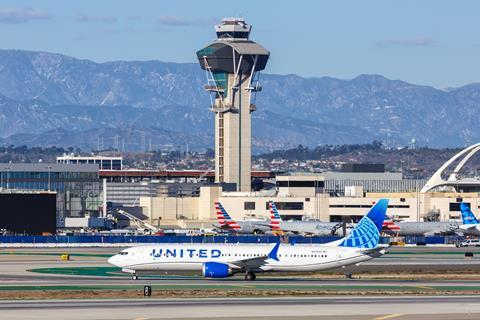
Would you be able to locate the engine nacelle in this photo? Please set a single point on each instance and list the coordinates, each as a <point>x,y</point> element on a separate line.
<point>216,270</point>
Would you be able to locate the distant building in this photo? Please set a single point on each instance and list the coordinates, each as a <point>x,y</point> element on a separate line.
<point>336,182</point>
<point>77,185</point>
<point>103,162</point>
<point>31,213</point>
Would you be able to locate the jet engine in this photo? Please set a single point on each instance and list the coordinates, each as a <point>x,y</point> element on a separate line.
<point>216,270</point>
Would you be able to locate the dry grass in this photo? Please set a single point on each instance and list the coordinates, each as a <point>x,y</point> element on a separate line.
<point>122,294</point>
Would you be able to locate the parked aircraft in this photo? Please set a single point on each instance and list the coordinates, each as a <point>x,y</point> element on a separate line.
<point>470,225</point>
<point>225,222</point>
<point>427,228</point>
<point>311,227</point>
<point>224,260</point>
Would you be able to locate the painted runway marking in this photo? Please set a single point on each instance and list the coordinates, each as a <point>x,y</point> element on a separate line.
<point>390,316</point>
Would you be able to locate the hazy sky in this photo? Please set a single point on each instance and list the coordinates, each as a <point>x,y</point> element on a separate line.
<point>424,42</point>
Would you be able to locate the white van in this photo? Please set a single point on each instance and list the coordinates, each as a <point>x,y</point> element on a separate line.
<point>470,243</point>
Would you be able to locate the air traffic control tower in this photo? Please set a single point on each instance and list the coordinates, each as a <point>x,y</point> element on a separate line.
<point>232,64</point>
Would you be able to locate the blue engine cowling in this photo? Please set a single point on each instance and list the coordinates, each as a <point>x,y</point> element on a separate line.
<point>216,270</point>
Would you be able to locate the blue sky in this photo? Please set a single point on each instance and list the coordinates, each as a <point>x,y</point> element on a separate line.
<point>431,42</point>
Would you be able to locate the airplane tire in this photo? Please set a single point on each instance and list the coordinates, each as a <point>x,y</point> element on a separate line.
<point>135,277</point>
<point>250,276</point>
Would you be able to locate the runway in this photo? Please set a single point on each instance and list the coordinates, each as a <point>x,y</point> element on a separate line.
<point>40,274</point>
<point>380,308</point>
<point>88,266</point>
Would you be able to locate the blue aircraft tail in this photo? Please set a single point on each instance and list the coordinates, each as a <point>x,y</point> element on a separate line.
<point>367,233</point>
<point>467,215</point>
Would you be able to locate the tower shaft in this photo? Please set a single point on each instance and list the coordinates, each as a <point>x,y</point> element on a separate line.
<point>233,135</point>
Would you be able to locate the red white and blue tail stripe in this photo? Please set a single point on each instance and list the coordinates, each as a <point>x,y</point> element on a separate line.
<point>275,218</point>
<point>389,225</point>
<point>224,219</point>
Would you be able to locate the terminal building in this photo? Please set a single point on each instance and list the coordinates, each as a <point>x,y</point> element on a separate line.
<point>103,162</point>
<point>27,212</point>
<point>77,186</point>
<point>302,197</point>
<point>330,196</point>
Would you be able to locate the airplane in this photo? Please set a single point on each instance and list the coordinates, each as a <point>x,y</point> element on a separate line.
<point>426,228</point>
<point>225,222</point>
<point>312,227</point>
<point>224,260</point>
<point>470,225</point>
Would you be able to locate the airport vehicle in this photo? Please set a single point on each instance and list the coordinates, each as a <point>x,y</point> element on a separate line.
<point>312,227</point>
<point>224,260</point>
<point>470,225</point>
<point>407,228</point>
<point>469,243</point>
<point>226,223</point>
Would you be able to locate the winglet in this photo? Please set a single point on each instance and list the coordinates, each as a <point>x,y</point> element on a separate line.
<point>273,254</point>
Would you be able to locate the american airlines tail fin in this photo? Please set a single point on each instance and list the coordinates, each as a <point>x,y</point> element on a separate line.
<point>275,218</point>
<point>367,233</point>
<point>224,219</point>
<point>389,225</point>
<point>467,215</point>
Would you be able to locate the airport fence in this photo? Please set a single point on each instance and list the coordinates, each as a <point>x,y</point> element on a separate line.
<point>102,239</point>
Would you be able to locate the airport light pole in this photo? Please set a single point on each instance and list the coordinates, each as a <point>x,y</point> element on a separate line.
<point>417,191</point>
<point>49,169</point>
<point>7,169</point>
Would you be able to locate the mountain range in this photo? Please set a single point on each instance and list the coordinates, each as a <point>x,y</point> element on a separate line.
<point>52,99</point>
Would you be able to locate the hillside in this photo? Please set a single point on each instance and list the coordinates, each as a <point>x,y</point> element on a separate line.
<point>44,94</point>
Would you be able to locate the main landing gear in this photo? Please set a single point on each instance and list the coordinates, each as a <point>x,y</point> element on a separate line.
<point>134,277</point>
<point>250,276</point>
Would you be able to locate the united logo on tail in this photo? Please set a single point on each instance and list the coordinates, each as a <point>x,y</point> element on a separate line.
<point>275,218</point>
<point>367,232</point>
<point>224,219</point>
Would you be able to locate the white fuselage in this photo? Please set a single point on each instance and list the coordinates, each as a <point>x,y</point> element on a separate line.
<point>424,228</point>
<point>470,229</point>
<point>192,257</point>
<point>246,227</point>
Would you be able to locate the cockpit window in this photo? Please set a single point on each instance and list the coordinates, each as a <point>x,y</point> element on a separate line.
<point>123,253</point>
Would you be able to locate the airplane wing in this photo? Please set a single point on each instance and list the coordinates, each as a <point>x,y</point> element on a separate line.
<point>469,226</point>
<point>469,229</point>
<point>261,224</point>
<point>374,251</point>
<point>255,262</point>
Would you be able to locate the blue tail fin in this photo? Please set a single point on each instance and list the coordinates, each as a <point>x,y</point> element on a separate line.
<point>467,215</point>
<point>367,233</point>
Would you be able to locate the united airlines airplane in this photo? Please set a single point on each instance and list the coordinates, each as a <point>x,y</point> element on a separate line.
<point>224,260</point>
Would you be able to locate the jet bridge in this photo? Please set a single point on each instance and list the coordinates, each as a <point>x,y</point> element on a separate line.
<point>139,222</point>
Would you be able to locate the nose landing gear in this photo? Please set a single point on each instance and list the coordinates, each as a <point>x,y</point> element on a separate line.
<point>134,277</point>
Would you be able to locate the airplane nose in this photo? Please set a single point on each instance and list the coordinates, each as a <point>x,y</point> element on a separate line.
<point>112,260</point>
